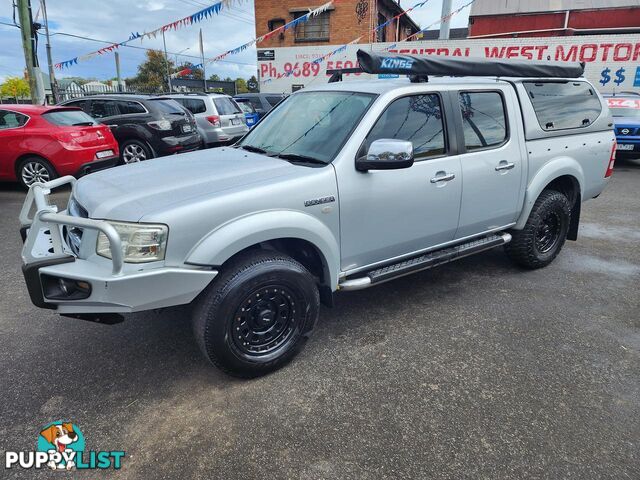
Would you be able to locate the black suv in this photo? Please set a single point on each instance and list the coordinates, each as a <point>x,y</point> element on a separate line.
<point>144,126</point>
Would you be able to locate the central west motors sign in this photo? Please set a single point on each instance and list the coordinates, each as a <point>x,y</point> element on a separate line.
<point>612,61</point>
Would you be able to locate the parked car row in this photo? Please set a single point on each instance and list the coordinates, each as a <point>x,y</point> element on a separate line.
<point>90,133</point>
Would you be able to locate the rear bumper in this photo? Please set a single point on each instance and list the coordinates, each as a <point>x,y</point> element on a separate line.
<point>170,145</point>
<point>96,166</point>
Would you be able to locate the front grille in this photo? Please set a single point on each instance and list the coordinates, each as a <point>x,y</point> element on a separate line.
<point>626,131</point>
<point>73,235</point>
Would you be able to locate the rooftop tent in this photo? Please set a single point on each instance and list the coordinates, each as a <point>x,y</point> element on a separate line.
<point>404,64</point>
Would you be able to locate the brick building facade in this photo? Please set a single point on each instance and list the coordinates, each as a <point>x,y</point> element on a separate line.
<point>551,18</point>
<point>345,21</point>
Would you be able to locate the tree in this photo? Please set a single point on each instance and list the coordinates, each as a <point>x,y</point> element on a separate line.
<point>253,82</point>
<point>15,87</point>
<point>241,85</point>
<point>214,78</point>
<point>152,73</point>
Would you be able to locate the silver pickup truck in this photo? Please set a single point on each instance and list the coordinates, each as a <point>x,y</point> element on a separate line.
<point>341,187</point>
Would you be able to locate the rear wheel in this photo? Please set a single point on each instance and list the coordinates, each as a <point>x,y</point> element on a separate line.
<point>544,234</point>
<point>133,151</point>
<point>35,169</point>
<point>257,314</point>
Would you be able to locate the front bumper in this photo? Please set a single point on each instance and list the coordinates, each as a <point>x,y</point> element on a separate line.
<point>115,287</point>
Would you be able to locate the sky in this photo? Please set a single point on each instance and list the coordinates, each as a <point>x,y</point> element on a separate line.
<point>115,20</point>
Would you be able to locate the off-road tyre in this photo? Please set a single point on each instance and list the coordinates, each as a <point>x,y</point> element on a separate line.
<point>259,294</point>
<point>544,234</point>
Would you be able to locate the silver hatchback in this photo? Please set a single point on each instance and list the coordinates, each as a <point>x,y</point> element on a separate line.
<point>218,117</point>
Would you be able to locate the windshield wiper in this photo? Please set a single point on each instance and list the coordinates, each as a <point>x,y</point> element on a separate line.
<point>251,148</point>
<point>295,157</point>
<point>82,124</point>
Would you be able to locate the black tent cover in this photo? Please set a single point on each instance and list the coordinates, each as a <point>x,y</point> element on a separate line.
<point>403,64</point>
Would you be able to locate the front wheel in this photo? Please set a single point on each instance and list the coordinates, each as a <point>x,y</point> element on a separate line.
<point>257,314</point>
<point>544,234</point>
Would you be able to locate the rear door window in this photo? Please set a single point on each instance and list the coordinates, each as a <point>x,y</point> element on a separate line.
<point>226,106</point>
<point>103,108</point>
<point>11,119</point>
<point>563,105</point>
<point>418,119</point>
<point>128,107</point>
<point>484,120</point>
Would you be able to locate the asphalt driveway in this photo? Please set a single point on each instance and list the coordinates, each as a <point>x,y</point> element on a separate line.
<point>477,369</point>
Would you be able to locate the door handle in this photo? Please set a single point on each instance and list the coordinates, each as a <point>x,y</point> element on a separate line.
<point>444,178</point>
<point>505,166</point>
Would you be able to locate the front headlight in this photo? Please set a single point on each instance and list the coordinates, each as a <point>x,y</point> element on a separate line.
<point>140,242</point>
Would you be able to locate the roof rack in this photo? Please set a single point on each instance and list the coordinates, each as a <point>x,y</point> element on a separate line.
<point>184,93</point>
<point>418,67</point>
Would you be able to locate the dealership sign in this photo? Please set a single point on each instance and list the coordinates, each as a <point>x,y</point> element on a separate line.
<point>612,61</point>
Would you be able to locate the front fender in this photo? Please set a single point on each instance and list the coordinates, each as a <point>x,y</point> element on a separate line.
<point>553,169</point>
<point>234,236</point>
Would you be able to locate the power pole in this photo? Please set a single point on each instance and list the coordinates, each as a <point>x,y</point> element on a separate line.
<point>52,76</point>
<point>204,69</point>
<point>28,45</point>
<point>446,22</point>
<point>117,57</point>
<point>166,59</point>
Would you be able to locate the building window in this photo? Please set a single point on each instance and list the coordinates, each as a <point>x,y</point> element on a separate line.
<point>314,29</point>
<point>275,23</point>
<point>381,33</point>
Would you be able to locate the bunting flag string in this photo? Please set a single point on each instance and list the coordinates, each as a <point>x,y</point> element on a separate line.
<point>343,48</point>
<point>378,27</point>
<point>286,26</point>
<point>203,14</point>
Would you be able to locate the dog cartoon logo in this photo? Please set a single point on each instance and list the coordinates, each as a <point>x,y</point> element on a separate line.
<point>63,438</point>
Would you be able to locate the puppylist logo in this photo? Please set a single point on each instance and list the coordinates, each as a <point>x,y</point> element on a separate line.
<point>61,446</point>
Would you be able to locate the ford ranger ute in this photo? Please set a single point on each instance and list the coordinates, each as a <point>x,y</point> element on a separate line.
<point>342,186</point>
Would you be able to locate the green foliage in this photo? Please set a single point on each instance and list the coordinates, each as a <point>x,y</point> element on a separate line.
<point>214,78</point>
<point>15,87</point>
<point>241,85</point>
<point>253,81</point>
<point>152,73</point>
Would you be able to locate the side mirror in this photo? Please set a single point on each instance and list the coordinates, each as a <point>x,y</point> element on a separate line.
<point>386,154</point>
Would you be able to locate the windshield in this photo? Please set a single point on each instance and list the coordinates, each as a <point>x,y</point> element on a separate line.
<point>311,124</point>
<point>624,107</point>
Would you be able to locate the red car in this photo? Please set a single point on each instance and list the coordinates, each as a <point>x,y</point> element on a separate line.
<point>40,143</point>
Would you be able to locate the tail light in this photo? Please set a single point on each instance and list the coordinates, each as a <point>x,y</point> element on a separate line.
<point>160,124</point>
<point>68,137</point>
<point>612,160</point>
<point>214,120</point>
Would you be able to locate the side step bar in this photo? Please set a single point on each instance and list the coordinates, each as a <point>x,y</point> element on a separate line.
<point>425,261</point>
